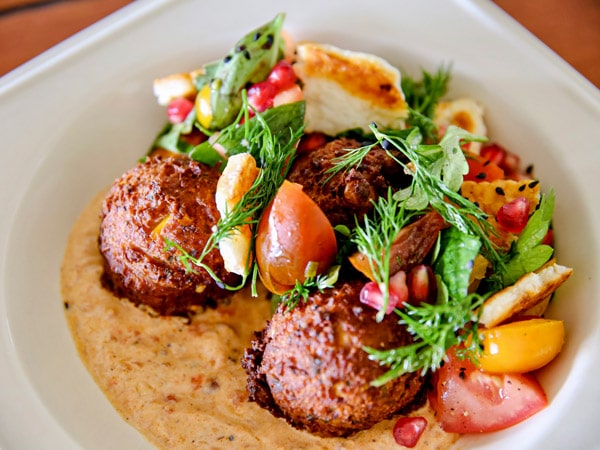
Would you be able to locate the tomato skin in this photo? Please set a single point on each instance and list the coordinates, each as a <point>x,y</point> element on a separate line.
<point>467,400</point>
<point>481,169</point>
<point>521,346</point>
<point>293,231</point>
<point>509,162</point>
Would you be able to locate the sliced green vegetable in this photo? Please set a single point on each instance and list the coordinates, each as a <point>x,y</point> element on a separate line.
<point>249,61</point>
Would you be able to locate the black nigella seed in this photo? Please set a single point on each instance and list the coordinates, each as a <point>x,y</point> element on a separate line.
<point>269,42</point>
<point>499,191</point>
<point>66,305</point>
<point>240,48</point>
<point>256,36</point>
<point>486,163</point>
<point>481,176</point>
<point>521,188</point>
<point>529,169</point>
<point>227,59</point>
<point>246,54</point>
<point>533,184</point>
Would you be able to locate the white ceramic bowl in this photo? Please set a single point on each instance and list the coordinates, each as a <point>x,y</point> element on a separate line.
<point>78,116</point>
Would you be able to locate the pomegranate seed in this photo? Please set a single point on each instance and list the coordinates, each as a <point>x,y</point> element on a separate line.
<point>179,109</point>
<point>260,95</point>
<point>422,286</point>
<point>397,286</point>
<point>513,216</point>
<point>408,430</point>
<point>282,76</point>
<point>371,295</point>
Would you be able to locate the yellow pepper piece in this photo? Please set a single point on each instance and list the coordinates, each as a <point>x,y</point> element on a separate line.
<point>521,346</point>
<point>204,113</point>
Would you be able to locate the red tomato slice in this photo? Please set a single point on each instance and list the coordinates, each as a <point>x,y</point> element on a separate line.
<point>467,400</point>
<point>292,233</point>
<point>481,169</point>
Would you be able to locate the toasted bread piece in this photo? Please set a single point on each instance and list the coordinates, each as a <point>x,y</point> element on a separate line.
<point>345,89</point>
<point>530,290</point>
<point>464,113</point>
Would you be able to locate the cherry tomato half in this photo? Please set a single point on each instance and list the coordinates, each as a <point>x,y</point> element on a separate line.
<point>467,400</point>
<point>292,233</point>
<point>521,346</point>
<point>481,169</point>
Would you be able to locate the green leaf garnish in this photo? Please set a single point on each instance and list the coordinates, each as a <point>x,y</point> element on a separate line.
<point>452,320</point>
<point>249,61</point>
<point>422,97</point>
<point>528,253</point>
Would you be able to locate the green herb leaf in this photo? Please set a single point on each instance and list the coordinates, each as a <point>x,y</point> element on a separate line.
<point>302,290</point>
<point>375,236</point>
<point>274,155</point>
<point>423,96</point>
<point>250,61</point>
<point>528,254</point>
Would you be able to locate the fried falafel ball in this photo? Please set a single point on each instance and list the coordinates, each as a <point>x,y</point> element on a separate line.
<point>348,193</point>
<point>158,200</point>
<point>309,366</point>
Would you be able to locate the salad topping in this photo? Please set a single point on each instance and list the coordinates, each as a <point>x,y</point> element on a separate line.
<point>452,242</point>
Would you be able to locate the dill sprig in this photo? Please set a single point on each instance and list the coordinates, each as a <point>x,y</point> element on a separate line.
<point>437,175</point>
<point>375,236</point>
<point>302,290</point>
<point>436,328</point>
<point>274,150</point>
<point>422,97</point>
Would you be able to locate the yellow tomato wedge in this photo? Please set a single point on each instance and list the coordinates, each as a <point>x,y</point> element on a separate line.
<point>204,113</point>
<point>521,346</point>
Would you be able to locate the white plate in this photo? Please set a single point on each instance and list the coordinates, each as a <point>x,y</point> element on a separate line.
<point>76,117</point>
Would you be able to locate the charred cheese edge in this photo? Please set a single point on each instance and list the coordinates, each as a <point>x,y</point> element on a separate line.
<point>347,90</point>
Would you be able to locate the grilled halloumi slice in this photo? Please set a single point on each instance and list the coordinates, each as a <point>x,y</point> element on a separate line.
<point>345,89</point>
<point>464,113</point>
<point>529,291</point>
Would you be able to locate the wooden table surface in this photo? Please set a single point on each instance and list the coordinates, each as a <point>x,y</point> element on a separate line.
<point>28,27</point>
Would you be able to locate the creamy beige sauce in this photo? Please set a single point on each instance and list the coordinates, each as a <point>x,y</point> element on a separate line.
<point>181,384</point>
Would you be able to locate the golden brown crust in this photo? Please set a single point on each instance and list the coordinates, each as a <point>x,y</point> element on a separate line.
<point>316,371</point>
<point>529,291</point>
<point>366,77</point>
<point>159,200</point>
<point>345,89</point>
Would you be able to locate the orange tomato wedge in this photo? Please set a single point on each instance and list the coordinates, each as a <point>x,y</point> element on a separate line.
<point>521,346</point>
<point>293,232</point>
